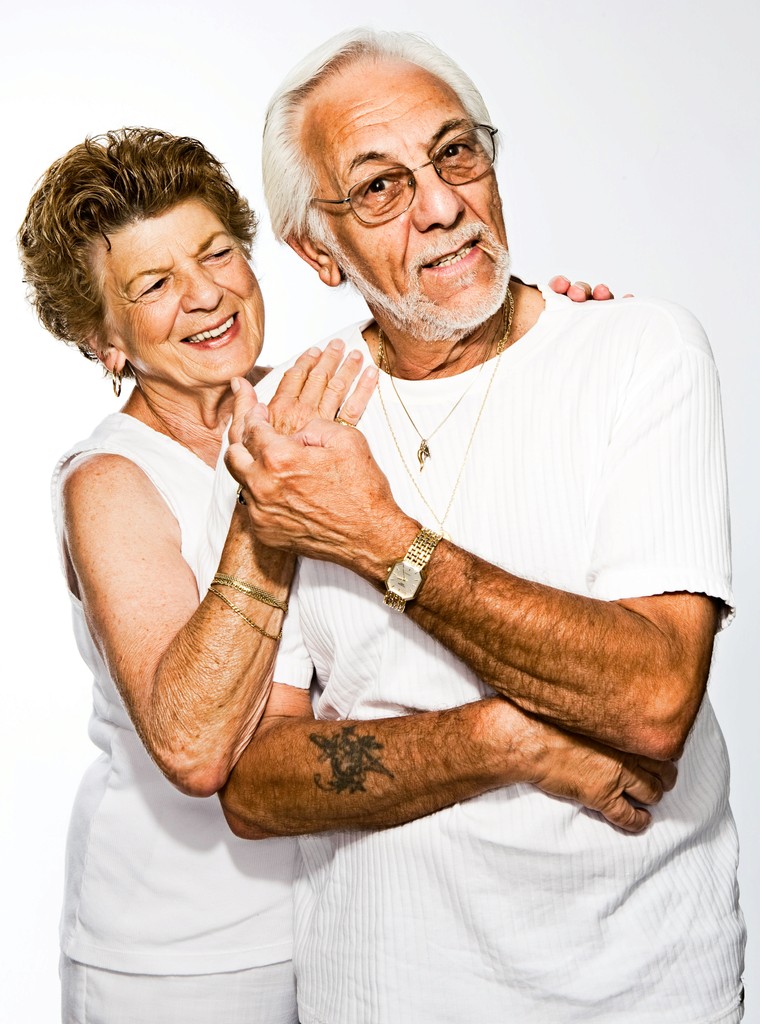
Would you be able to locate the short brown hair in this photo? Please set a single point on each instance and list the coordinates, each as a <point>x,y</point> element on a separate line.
<point>106,183</point>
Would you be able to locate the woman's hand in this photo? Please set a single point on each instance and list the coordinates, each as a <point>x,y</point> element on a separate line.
<point>580,291</point>
<point>317,386</point>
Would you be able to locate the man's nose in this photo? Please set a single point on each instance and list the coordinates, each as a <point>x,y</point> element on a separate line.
<point>436,203</point>
<point>200,290</point>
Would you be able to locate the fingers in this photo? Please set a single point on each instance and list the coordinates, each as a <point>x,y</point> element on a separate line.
<point>322,375</point>
<point>353,408</point>
<point>579,292</point>
<point>317,385</point>
<point>644,781</point>
<point>559,284</point>
<point>295,377</point>
<point>626,815</point>
<point>337,387</point>
<point>238,460</point>
<point>245,400</point>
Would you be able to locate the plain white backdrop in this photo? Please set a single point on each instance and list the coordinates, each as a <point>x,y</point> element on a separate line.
<point>630,155</point>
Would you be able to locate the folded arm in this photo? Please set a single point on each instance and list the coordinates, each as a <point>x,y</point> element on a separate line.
<point>299,776</point>
<point>628,673</point>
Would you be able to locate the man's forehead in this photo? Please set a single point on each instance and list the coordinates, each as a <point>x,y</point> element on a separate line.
<point>363,112</point>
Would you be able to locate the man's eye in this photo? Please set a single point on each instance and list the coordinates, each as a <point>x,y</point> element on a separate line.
<point>385,186</point>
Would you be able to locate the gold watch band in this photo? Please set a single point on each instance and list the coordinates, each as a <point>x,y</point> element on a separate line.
<point>418,556</point>
<point>394,601</point>
<point>422,548</point>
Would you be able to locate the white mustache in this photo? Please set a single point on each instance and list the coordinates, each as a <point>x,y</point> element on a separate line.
<point>474,232</point>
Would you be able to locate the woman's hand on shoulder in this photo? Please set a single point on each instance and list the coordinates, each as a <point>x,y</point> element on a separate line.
<point>580,291</point>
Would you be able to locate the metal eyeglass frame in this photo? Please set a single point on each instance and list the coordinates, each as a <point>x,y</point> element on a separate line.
<point>413,181</point>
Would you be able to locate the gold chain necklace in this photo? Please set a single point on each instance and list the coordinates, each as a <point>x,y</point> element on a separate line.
<point>508,302</point>
<point>423,452</point>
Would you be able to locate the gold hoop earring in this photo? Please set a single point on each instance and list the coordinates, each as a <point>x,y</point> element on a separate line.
<point>116,383</point>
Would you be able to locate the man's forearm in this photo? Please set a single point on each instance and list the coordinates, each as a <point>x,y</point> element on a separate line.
<point>299,776</point>
<point>630,674</point>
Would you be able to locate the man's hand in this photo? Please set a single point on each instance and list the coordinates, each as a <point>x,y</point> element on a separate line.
<point>309,492</point>
<point>575,768</point>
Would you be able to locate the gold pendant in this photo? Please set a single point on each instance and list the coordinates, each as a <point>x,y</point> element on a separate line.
<point>423,453</point>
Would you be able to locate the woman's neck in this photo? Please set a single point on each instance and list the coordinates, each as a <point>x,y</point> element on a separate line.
<point>196,421</point>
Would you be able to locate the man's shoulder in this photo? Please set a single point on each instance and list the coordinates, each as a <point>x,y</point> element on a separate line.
<point>661,326</point>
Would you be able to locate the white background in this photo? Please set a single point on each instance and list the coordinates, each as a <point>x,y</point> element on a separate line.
<point>630,156</point>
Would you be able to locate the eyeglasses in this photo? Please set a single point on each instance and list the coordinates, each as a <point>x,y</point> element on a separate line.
<point>461,159</point>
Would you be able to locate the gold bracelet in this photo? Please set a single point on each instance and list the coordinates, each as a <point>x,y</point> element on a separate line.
<point>248,588</point>
<point>244,617</point>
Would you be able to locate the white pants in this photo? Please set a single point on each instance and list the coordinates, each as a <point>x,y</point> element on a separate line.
<point>261,995</point>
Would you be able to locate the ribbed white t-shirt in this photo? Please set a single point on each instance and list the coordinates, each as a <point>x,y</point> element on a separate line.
<point>598,468</point>
<point>155,881</point>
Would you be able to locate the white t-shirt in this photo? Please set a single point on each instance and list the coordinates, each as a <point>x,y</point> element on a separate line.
<point>155,881</point>
<point>597,468</point>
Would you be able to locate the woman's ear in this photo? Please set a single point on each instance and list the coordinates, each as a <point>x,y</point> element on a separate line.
<point>112,358</point>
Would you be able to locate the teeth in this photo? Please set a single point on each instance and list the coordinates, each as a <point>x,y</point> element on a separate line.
<point>455,257</point>
<point>205,335</point>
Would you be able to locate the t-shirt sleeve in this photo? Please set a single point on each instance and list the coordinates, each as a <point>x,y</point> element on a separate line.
<point>293,665</point>
<point>661,518</point>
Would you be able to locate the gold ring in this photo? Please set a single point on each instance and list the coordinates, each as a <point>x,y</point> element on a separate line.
<point>344,423</point>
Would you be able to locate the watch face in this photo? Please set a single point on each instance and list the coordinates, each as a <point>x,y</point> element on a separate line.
<point>404,579</point>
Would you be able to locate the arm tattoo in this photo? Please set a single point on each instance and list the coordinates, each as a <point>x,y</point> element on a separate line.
<point>351,758</point>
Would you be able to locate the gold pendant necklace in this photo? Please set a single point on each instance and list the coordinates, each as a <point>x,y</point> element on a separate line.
<point>423,452</point>
<point>509,309</point>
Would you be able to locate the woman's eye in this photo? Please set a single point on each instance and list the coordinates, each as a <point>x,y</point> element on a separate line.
<point>155,287</point>
<point>220,253</point>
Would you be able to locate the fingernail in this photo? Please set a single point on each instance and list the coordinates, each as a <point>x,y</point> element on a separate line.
<point>235,385</point>
<point>355,355</point>
<point>335,344</point>
<point>313,351</point>
<point>372,373</point>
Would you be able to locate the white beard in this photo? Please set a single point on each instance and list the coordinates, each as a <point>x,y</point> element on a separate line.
<point>419,316</point>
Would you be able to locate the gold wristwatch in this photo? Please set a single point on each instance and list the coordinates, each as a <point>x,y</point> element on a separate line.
<point>405,577</point>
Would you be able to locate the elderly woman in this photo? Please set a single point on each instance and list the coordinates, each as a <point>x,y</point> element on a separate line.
<point>135,247</point>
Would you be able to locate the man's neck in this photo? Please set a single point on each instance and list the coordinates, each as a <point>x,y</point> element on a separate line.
<point>411,359</point>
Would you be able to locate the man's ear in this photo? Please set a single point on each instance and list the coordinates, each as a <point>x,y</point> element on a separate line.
<point>317,258</point>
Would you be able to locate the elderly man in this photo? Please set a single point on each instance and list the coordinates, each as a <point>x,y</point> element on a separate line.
<point>510,582</point>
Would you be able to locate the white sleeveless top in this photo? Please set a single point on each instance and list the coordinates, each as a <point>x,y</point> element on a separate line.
<point>155,881</point>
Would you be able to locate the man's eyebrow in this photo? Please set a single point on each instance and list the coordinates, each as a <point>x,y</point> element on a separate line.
<point>461,123</point>
<point>370,157</point>
<point>373,156</point>
<point>161,271</point>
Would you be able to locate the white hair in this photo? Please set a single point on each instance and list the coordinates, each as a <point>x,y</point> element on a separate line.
<point>289,179</point>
